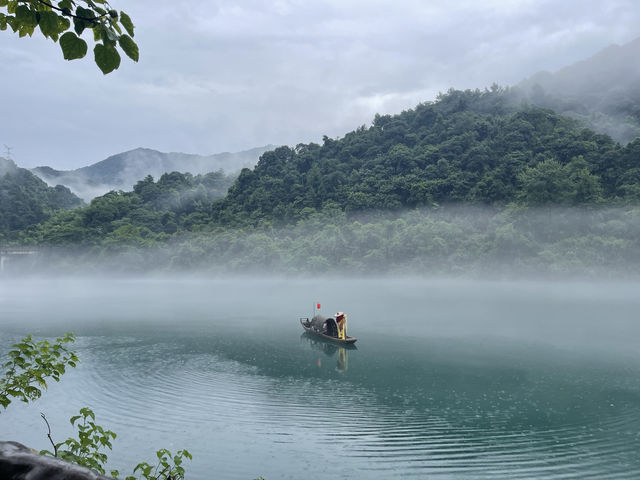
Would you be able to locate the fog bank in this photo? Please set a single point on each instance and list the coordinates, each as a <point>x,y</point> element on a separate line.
<point>470,242</point>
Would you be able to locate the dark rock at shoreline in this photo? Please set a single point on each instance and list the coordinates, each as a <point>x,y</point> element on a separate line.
<point>18,462</point>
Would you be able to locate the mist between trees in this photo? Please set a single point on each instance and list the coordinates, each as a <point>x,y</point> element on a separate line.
<point>458,241</point>
<point>466,185</point>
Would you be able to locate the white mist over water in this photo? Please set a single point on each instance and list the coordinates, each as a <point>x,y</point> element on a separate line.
<point>550,312</point>
<point>451,378</point>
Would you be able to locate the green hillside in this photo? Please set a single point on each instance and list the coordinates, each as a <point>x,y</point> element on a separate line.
<point>25,200</point>
<point>463,184</point>
<point>151,213</point>
<point>467,147</point>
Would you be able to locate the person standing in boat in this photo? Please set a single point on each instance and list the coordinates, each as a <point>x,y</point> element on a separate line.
<point>341,321</point>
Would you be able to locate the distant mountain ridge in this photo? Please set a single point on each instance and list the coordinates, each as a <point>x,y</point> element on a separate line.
<point>602,91</point>
<point>368,201</point>
<point>123,170</point>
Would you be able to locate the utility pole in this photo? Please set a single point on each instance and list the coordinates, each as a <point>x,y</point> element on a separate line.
<point>7,150</point>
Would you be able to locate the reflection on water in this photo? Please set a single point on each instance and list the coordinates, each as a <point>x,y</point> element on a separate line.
<point>249,395</point>
<point>330,349</point>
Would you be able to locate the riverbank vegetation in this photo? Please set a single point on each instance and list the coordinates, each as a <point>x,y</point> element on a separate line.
<point>448,240</point>
<point>27,369</point>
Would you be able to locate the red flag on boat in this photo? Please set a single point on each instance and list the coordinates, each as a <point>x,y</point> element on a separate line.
<point>318,307</point>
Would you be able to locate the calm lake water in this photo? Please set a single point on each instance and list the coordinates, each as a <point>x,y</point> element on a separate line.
<point>450,379</point>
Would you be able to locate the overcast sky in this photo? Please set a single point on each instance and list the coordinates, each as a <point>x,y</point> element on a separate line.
<point>224,75</point>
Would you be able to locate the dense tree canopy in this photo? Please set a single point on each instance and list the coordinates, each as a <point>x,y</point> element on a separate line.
<point>152,212</point>
<point>64,21</point>
<point>385,197</point>
<point>467,147</point>
<point>25,200</point>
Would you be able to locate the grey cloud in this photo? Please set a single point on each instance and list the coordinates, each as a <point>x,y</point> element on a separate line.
<point>231,75</point>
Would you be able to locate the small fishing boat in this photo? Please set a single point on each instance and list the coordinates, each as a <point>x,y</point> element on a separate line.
<point>326,328</point>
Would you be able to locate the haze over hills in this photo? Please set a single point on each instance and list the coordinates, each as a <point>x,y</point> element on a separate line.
<point>457,185</point>
<point>449,186</point>
<point>602,91</point>
<point>7,166</point>
<point>385,195</point>
<point>123,170</point>
<point>26,200</point>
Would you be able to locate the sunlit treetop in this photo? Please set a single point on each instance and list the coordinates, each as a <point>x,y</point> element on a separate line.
<point>66,20</point>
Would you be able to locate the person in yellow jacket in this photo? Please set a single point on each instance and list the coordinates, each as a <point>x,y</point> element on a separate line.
<point>341,321</point>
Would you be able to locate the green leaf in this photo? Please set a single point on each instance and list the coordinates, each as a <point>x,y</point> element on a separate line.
<point>64,23</point>
<point>129,47</point>
<point>24,30</point>
<point>109,37</point>
<point>26,16</point>
<point>72,46</point>
<point>87,412</point>
<point>65,4</point>
<point>107,58</point>
<point>126,22</point>
<point>79,25</point>
<point>84,13</point>
<point>48,24</point>
<point>4,3</point>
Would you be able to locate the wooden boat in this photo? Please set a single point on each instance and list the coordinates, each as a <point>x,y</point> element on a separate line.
<point>325,328</point>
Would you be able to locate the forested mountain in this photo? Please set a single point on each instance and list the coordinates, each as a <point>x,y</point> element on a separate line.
<point>25,200</point>
<point>602,91</point>
<point>151,212</point>
<point>450,186</point>
<point>122,171</point>
<point>467,147</point>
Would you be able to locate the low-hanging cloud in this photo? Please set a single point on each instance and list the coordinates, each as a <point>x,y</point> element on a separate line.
<point>228,76</point>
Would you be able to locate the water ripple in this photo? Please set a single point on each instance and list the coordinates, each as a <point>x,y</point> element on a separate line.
<point>221,398</point>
